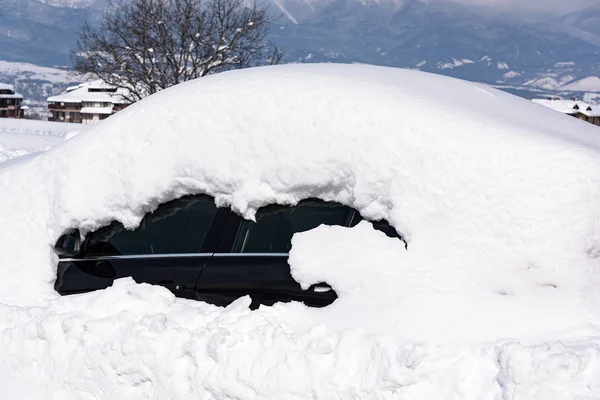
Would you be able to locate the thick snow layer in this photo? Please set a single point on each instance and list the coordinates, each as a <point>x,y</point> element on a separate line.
<point>19,137</point>
<point>570,106</point>
<point>496,296</point>
<point>83,93</point>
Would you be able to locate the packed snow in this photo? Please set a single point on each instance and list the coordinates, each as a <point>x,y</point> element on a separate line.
<point>495,297</point>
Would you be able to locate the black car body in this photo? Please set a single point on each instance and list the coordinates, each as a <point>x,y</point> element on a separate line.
<point>202,252</point>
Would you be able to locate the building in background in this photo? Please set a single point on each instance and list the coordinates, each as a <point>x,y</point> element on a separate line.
<point>87,103</point>
<point>578,109</point>
<point>11,103</point>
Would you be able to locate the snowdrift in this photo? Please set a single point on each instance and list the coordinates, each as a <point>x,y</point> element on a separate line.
<point>496,296</point>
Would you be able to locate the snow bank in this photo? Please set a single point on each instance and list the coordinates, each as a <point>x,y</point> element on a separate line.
<point>498,198</point>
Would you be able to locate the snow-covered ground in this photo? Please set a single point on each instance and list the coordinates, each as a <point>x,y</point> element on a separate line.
<point>496,297</point>
<point>19,137</point>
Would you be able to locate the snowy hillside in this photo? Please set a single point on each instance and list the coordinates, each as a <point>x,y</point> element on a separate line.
<point>36,83</point>
<point>495,295</point>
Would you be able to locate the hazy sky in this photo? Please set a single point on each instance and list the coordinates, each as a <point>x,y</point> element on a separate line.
<point>555,6</point>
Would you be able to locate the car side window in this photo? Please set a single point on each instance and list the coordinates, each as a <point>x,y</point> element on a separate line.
<point>179,226</point>
<point>275,225</point>
<point>381,225</point>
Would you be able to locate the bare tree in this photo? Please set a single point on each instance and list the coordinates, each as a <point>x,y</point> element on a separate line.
<point>145,46</point>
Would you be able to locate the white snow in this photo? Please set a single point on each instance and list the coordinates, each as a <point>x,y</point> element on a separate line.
<point>570,106</point>
<point>97,110</point>
<point>454,63</point>
<point>593,98</point>
<point>565,83</point>
<point>565,64</point>
<point>589,84</point>
<point>544,82</point>
<point>19,137</point>
<point>19,71</point>
<point>69,3</point>
<point>91,92</point>
<point>511,74</point>
<point>496,297</point>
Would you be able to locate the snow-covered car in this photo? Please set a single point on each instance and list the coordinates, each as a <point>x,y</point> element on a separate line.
<point>492,292</point>
<point>202,252</point>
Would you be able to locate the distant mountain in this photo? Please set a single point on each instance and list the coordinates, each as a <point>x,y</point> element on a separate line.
<point>550,54</point>
<point>443,37</point>
<point>584,24</point>
<point>40,32</point>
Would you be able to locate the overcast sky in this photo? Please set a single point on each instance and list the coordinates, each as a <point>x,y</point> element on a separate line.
<point>556,6</point>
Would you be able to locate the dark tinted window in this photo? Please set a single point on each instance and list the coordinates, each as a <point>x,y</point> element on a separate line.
<point>179,226</point>
<point>381,225</point>
<point>275,225</point>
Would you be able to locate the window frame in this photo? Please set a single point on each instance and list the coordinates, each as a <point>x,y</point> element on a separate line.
<point>276,208</point>
<point>207,247</point>
<point>222,234</point>
<point>233,225</point>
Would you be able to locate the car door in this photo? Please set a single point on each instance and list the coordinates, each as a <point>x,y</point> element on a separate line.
<point>252,257</point>
<point>169,248</point>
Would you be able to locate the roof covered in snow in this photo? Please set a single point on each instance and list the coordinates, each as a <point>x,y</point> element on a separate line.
<point>570,107</point>
<point>498,199</point>
<point>12,95</point>
<point>95,91</point>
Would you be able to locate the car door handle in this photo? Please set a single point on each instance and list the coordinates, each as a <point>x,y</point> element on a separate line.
<point>172,286</point>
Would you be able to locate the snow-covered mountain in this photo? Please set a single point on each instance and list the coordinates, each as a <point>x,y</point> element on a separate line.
<point>70,3</point>
<point>41,33</point>
<point>443,37</point>
<point>475,43</point>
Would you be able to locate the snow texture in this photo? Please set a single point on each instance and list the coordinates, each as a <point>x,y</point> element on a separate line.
<point>19,137</point>
<point>496,296</point>
<point>88,92</point>
<point>570,106</point>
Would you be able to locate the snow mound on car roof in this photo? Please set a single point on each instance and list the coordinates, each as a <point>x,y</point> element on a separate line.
<point>498,199</point>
